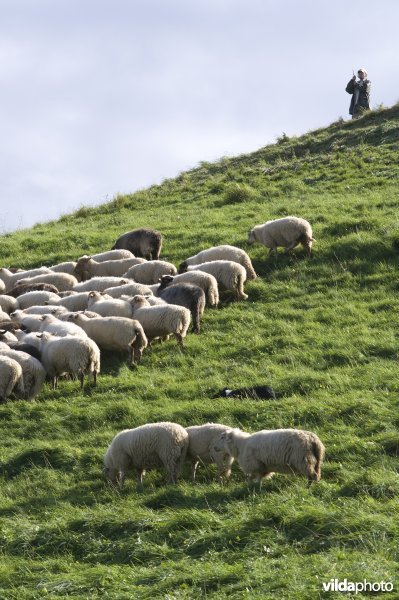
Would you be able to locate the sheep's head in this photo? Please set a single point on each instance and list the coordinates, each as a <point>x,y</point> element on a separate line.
<point>165,281</point>
<point>225,442</point>
<point>183,267</point>
<point>251,237</point>
<point>138,301</point>
<point>81,270</point>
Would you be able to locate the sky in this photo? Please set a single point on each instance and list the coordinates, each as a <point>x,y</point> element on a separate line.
<point>101,97</point>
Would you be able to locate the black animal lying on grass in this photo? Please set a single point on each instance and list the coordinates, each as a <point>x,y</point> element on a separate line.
<point>257,392</point>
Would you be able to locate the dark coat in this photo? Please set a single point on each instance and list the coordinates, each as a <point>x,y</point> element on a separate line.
<point>360,91</point>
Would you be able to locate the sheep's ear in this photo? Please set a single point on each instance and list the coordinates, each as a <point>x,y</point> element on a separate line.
<point>39,335</point>
<point>43,317</point>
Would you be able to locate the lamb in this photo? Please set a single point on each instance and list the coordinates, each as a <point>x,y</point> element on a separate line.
<point>146,447</point>
<point>151,271</point>
<point>64,267</point>
<point>287,232</point>
<point>112,255</point>
<point>8,303</point>
<point>23,288</point>
<point>142,242</point>
<point>224,252</point>
<point>62,281</point>
<point>128,289</point>
<point>10,279</point>
<point>33,373</point>
<point>86,267</point>
<point>227,273</point>
<point>99,284</point>
<point>69,355</point>
<point>184,294</point>
<point>201,441</point>
<point>10,377</point>
<point>204,280</point>
<point>109,307</point>
<point>51,324</point>
<point>280,450</point>
<point>161,321</point>
<point>36,298</point>
<point>114,333</point>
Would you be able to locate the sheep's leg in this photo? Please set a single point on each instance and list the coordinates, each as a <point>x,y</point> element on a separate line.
<point>194,465</point>
<point>139,476</point>
<point>291,246</point>
<point>121,479</point>
<point>55,382</point>
<point>137,353</point>
<point>95,378</point>
<point>179,338</point>
<point>81,379</point>
<point>272,251</point>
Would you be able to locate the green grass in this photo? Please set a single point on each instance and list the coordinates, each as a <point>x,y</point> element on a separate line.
<point>323,332</point>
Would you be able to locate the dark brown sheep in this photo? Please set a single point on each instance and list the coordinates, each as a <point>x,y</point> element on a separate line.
<point>144,242</point>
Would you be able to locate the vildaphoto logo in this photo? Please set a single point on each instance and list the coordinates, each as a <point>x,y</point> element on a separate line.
<point>335,585</point>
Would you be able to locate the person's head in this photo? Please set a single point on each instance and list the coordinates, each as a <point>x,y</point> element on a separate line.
<point>362,74</point>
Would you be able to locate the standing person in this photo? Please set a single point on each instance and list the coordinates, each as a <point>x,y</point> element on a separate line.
<point>360,91</point>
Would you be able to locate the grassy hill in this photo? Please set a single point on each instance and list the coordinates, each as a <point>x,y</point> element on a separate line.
<point>322,332</point>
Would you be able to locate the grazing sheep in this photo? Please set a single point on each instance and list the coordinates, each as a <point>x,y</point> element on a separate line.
<point>50,309</point>
<point>99,284</point>
<point>205,281</point>
<point>86,267</point>
<point>112,255</point>
<point>184,294</point>
<point>29,322</point>
<point>146,447</point>
<point>268,451</point>
<point>224,252</point>
<point>10,279</point>
<point>160,321</point>
<point>64,267</point>
<point>287,232</point>
<point>33,373</point>
<point>201,441</point>
<point>74,302</point>
<point>8,303</point>
<point>62,281</point>
<point>257,392</point>
<point>23,288</point>
<point>114,333</point>
<point>51,324</point>
<point>128,289</point>
<point>109,307</point>
<point>142,242</point>
<point>151,271</point>
<point>10,377</point>
<point>71,355</point>
<point>37,298</point>
<point>227,273</point>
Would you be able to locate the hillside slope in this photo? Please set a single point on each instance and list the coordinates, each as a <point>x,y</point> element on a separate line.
<point>322,332</point>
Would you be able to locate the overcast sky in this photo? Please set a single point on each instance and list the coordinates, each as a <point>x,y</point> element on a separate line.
<point>100,97</point>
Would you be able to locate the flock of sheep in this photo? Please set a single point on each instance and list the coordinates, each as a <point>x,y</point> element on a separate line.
<point>56,320</point>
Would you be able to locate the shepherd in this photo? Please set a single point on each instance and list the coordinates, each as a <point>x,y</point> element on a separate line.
<point>360,91</point>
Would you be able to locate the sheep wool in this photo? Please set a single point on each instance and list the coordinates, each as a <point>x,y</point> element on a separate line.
<point>151,271</point>
<point>201,442</point>
<point>149,446</point>
<point>10,377</point>
<point>33,373</point>
<point>160,321</point>
<point>227,273</point>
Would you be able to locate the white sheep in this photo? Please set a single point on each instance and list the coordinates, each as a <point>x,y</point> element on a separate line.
<point>71,355</point>
<point>74,302</point>
<point>287,232</point>
<point>114,333</point>
<point>8,303</point>
<point>10,377</point>
<point>51,324</point>
<point>86,267</point>
<point>36,298</point>
<point>112,255</point>
<point>109,307</point>
<point>4,316</point>
<point>201,441</point>
<point>161,321</point>
<point>268,451</point>
<point>151,271</point>
<point>99,284</point>
<point>33,373</point>
<point>146,447</point>
<point>224,252</point>
<point>206,281</point>
<point>9,278</point>
<point>62,281</point>
<point>227,273</point>
<point>64,267</point>
<point>129,289</point>
<point>30,322</point>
